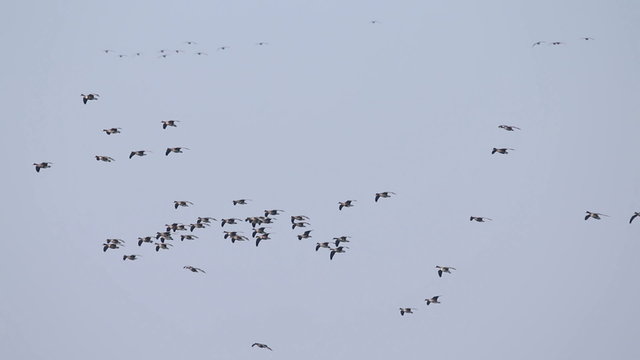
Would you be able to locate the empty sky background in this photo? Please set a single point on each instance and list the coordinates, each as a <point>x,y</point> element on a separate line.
<point>333,108</point>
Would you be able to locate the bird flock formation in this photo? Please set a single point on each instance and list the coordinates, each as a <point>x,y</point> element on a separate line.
<point>190,48</point>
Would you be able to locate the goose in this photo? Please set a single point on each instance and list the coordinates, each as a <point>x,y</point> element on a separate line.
<point>230,221</point>
<point>501,150</point>
<point>635,215</point>
<point>145,239</point>
<point>323,245</point>
<point>240,201</point>
<point>104,158</point>
<point>194,269</point>
<point>433,300</point>
<point>261,346</point>
<point>188,237</point>
<point>347,203</point>
<point>224,48</point>
<point>272,212</point>
<point>183,203</point>
<point>88,97</point>
<point>166,235</point>
<point>384,194</point>
<point>557,43</point>
<point>166,123</point>
<point>509,127</point>
<point>231,233</point>
<point>178,51</point>
<point>138,153</point>
<point>261,237</point>
<point>299,224</point>
<point>261,43</point>
<point>106,51</point>
<point>191,43</point>
<point>162,246</point>
<point>265,220</point>
<point>338,240</point>
<point>175,227</point>
<point>236,237</point>
<point>175,150</point>
<point>206,220</point>
<point>115,241</point>
<point>537,43</point>
<point>339,249</point>
<point>106,246</point>
<point>305,235</point>
<point>197,226</point>
<point>130,257</point>
<point>374,21</point>
<point>594,215</point>
<point>254,220</point>
<point>295,218</point>
<point>260,230</point>
<point>479,218</point>
<point>200,53</point>
<point>406,311</point>
<point>121,55</point>
<point>587,38</point>
<point>444,269</point>
<point>42,165</point>
<point>112,131</point>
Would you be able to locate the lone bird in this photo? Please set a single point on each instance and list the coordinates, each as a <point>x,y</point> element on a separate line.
<point>406,311</point>
<point>194,269</point>
<point>261,346</point>
<point>182,203</point>
<point>166,123</point>
<point>509,127</point>
<point>138,153</point>
<point>384,194</point>
<point>112,131</point>
<point>596,215</point>
<point>433,300</point>
<point>343,204</point>
<point>479,218</point>
<point>130,257</point>
<point>88,97</point>
<point>635,215</point>
<point>175,150</point>
<point>240,201</point>
<point>501,150</point>
<point>444,269</point>
<point>104,158</point>
<point>42,165</point>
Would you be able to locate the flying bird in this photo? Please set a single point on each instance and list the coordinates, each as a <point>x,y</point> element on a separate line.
<point>299,224</point>
<point>188,237</point>
<point>444,269</point>
<point>323,245</point>
<point>130,257</point>
<point>166,123</point>
<point>240,201</point>
<point>42,165</point>
<point>595,215</point>
<point>635,215</point>
<point>138,153</point>
<point>295,218</point>
<point>112,131</point>
<point>406,311</point>
<point>537,43</point>
<point>88,97</point>
<point>145,239</point>
<point>509,127</point>
<point>501,150</point>
<point>164,246</point>
<point>339,249</point>
<point>261,346</point>
<point>339,239</point>
<point>343,204</point>
<point>183,203</point>
<point>230,221</point>
<point>433,300</point>
<point>557,43</point>
<point>191,43</point>
<point>272,212</point>
<point>384,194</point>
<point>104,158</point>
<point>200,53</point>
<point>175,150</point>
<point>194,269</point>
<point>305,235</point>
<point>479,218</point>
<point>107,246</point>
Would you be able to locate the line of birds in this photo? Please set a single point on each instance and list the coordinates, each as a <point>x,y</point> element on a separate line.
<point>164,53</point>
<point>556,43</point>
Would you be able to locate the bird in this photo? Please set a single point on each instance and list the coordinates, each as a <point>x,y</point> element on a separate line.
<point>323,245</point>
<point>231,221</point>
<point>433,300</point>
<point>166,235</point>
<point>107,246</point>
<point>295,218</point>
<point>130,257</point>
<point>374,22</point>
<point>104,158</point>
<point>272,212</point>
<point>231,233</point>
<point>557,43</point>
<point>261,43</point>
<point>112,131</point>
<point>479,218</point>
<point>635,214</point>
<point>198,225</point>
<point>501,150</point>
<point>88,97</point>
<point>194,269</point>
<point>175,150</point>
<point>348,203</point>
<point>339,239</point>
<point>206,220</point>
<point>145,239</point>
<point>595,215</point>
<point>183,203</point>
<point>240,201</point>
<point>261,346</point>
<point>191,43</point>
<point>406,311</point>
<point>42,165</point>
<point>260,230</point>
<point>444,269</point>
<point>162,246</point>
<point>384,194</point>
<point>299,224</point>
<point>138,153</point>
<point>200,53</point>
<point>305,235</point>
<point>115,241</point>
<point>264,236</point>
<point>188,237</point>
<point>339,249</point>
<point>166,123</point>
<point>508,127</point>
<point>223,48</point>
<point>106,51</point>
<point>537,43</point>
<point>586,38</point>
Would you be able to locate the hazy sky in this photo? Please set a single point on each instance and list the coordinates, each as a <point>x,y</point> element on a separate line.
<point>333,107</point>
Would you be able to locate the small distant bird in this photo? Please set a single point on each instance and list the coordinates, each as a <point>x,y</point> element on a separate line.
<point>261,237</point>
<point>299,224</point>
<point>509,127</point>
<point>130,257</point>
<point>501,150</point>
<point>587,38</point>
<point>197,225</point>
<point>537,43</point>
<point>200,53</point>
<point>295,218</point>
<point>146,239</point>
<point>164,56</point>
<point>115,241</point>
<point>164,246</point>
<point>112,131</point>
<point>261,346</point>
<point>121,55</point>
<point>178,51</point>
<point>88,97</point>
<point>231,233</point>
<point>105,158</point>
<point>557,43</point>
<point>175,150</point>
<point>166,123</point>
<point>323,245</point>
<point>479,218</point>
<point>305,235</point>
<point>635,215</point>
<point>348,203</point>
<point>191,43</point>
<point>138,153</point>
<point>206,220</point>
<point>406,311</point>
<point>106,51</point>
<point>107,246</point>
<point>444,269</point>
<point>433,300</point>
<point>193,269</point>
<point>223,48</point>
<point>42,165</point>
<point>261,43</point>
<point>138,54</point>
<point>338,240</point>
<point>272,212</point>
<point>339,249</point>
<point>188,237</point>
<point>384,194</point>
<point>240,201</point>
<point>230,221</point>
<point>374,21</point>
<point>166,235</point>
<point>595,215</point>
<point>183,203</point>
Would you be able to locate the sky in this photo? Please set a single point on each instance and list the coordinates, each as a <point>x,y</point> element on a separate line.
<point>332,107</point>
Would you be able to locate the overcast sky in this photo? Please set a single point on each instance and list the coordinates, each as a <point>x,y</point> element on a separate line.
<point>332,107</point>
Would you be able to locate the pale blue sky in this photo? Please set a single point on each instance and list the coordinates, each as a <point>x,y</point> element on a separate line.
<point>333,108</point>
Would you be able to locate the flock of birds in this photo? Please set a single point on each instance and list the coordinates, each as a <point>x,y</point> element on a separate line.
<point>162,240</point>
<point>165,53</point>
